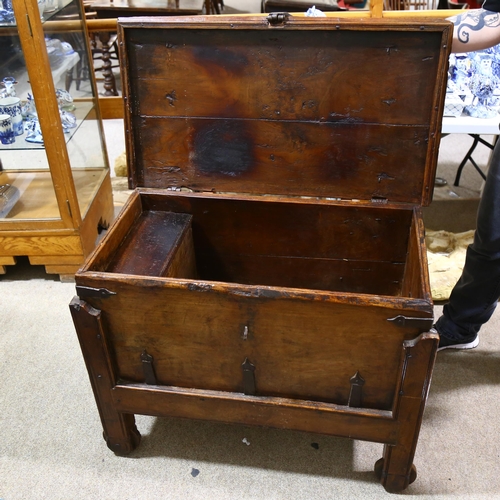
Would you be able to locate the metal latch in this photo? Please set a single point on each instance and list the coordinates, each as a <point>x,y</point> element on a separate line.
<point>147,368</point>
<point>248,377</point>
<point>406,322</point>
<point>87,291</point>
<point>356,393</point>
<point>278,18</point>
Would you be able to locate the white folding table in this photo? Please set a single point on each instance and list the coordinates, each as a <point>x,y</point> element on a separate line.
<point>475,127</point>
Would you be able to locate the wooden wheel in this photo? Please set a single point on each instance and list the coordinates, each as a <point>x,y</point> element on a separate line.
<point>379,465</point>
<point>125,448</point>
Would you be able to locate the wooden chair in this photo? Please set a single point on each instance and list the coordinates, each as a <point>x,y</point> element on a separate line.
<point>457,5</point>
<point>214,6</point>
<point>409,4</point>
<point>299,5</point>
<point>104,49</point>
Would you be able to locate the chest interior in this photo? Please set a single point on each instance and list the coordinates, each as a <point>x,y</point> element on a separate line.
<point>331,246</point>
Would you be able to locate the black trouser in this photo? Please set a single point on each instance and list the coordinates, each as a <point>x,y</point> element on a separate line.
<point>475,296</point>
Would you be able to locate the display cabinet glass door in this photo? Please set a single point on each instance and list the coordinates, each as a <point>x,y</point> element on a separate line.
<point>30,176</point>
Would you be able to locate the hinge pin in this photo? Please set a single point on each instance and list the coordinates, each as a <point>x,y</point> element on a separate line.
<point>278,18</point>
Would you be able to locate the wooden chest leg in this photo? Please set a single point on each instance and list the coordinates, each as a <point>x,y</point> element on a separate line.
<point>120,433</point>
<point>395,469</point>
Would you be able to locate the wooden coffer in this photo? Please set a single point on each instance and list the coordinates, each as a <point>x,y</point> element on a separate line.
<point>270,267</point>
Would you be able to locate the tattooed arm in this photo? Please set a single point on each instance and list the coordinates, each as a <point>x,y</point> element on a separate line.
<point>475,30</point>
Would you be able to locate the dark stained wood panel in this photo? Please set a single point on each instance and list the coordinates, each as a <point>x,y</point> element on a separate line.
<point>331,112</point>
<point>293,228</point>
<point>332,76</point>
<point>334,275</point>
<point>151,244</point>
<point>312,159</point>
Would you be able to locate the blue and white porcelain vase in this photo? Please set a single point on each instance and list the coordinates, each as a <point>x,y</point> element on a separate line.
<point>33,131</point>
<point>9,83</point>
<point>6,131</point>
<point>12,106</point>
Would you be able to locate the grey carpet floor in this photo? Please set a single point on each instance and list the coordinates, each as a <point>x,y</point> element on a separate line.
<point>51,444</point>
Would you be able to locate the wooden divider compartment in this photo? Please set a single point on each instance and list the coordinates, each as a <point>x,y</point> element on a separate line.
<point>159,244</point>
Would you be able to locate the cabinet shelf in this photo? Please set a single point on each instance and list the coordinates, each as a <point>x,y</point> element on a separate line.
<point>37,198</point>
<point>46,15</point>
<point>83,112</point>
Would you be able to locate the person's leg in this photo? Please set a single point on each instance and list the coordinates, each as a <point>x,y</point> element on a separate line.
<point>474,297</point>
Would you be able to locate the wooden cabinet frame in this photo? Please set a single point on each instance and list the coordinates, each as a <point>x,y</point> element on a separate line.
<point>61,244</point>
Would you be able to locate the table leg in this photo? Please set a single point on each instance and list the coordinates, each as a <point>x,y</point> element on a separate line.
<point>468,157</point>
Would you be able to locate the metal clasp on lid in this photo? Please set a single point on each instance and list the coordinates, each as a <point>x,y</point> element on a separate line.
<point>87,291</point>
<point>406,322</point>
<point>278,18</point>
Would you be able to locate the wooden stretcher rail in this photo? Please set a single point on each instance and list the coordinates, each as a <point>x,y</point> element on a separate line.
<point>224,407</point>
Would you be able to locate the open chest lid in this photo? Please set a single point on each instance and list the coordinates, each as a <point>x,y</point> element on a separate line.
<point>295,106</point>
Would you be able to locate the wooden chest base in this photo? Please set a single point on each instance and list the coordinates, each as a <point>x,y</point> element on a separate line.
<point>197,306</point>
<point>270,268</point>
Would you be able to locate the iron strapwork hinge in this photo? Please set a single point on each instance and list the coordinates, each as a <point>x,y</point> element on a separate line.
<point>423,324</point>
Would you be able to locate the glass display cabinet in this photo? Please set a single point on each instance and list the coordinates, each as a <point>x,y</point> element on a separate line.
<point>55,187</point>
